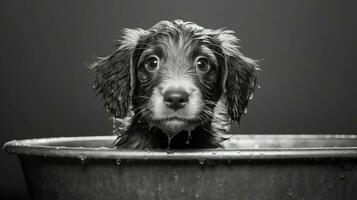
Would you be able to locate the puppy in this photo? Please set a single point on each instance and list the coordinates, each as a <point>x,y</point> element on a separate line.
<point>175,85</point>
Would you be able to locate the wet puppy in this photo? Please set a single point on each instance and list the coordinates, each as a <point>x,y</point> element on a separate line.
<point>175,85</point>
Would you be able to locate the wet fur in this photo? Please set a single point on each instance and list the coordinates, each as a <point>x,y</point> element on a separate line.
<point>117,82</point>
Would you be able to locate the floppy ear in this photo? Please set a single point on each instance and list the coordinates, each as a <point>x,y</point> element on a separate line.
<point>239,77</point>
<point>115,75</point>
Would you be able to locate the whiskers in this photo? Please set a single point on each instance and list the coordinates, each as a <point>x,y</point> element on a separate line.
<point>207,112</point>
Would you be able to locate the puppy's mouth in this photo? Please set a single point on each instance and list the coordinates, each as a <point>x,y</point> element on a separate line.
<point>175,124</point>
<point>176,118</point>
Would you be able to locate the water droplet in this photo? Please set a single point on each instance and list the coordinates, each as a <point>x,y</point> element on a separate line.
<point>258,69</point>
<point>229,161</point>
<point>94,86</point>
<point>188,137</point>
<point>197,196</point>
<point>201,161</point>
<point>118,162</point>
<point>120,98</point>
<point>342,176</point>
<point>290,193</point>
<point>150,126</point>
<point>258,86</point>
<point>245,110</point>
<point>251,96</point>
<point>182,190</point>
<point>169,138</point>
<point>83,158</point>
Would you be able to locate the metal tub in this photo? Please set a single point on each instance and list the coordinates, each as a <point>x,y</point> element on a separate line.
<point>252,167</point>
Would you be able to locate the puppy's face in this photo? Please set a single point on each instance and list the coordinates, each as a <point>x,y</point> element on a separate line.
<point>178,80</point>
<point>174,73</point>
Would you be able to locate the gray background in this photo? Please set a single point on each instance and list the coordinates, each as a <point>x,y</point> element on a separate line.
<point>307,84</point>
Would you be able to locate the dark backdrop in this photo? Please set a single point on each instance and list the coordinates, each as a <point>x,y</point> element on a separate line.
<point>307,84</point>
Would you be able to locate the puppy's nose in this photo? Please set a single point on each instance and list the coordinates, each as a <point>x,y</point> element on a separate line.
<point>175,99</point>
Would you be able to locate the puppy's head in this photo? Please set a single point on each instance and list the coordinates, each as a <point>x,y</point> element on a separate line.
<point>173,75</point>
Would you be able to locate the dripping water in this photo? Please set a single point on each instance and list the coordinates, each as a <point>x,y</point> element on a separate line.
<point>245,110</point>
<point>83,158</point>
<point>169,138</point>
<point>188,137</point>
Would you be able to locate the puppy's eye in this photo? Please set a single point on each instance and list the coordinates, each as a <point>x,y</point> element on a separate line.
<point>202,65</point>
<point>152,63</point>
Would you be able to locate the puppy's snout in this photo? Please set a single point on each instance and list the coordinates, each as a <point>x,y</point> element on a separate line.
<point>175,98</point>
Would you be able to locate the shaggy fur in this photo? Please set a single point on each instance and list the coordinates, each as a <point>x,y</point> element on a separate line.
<point>204,64</point>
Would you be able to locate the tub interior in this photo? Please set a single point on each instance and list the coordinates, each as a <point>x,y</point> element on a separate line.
<point>246,141</point>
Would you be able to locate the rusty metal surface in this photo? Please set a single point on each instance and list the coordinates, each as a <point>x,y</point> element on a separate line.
<point>252,167</point>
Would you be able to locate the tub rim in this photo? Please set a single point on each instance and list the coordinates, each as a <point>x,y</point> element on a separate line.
<point>37,147</point>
